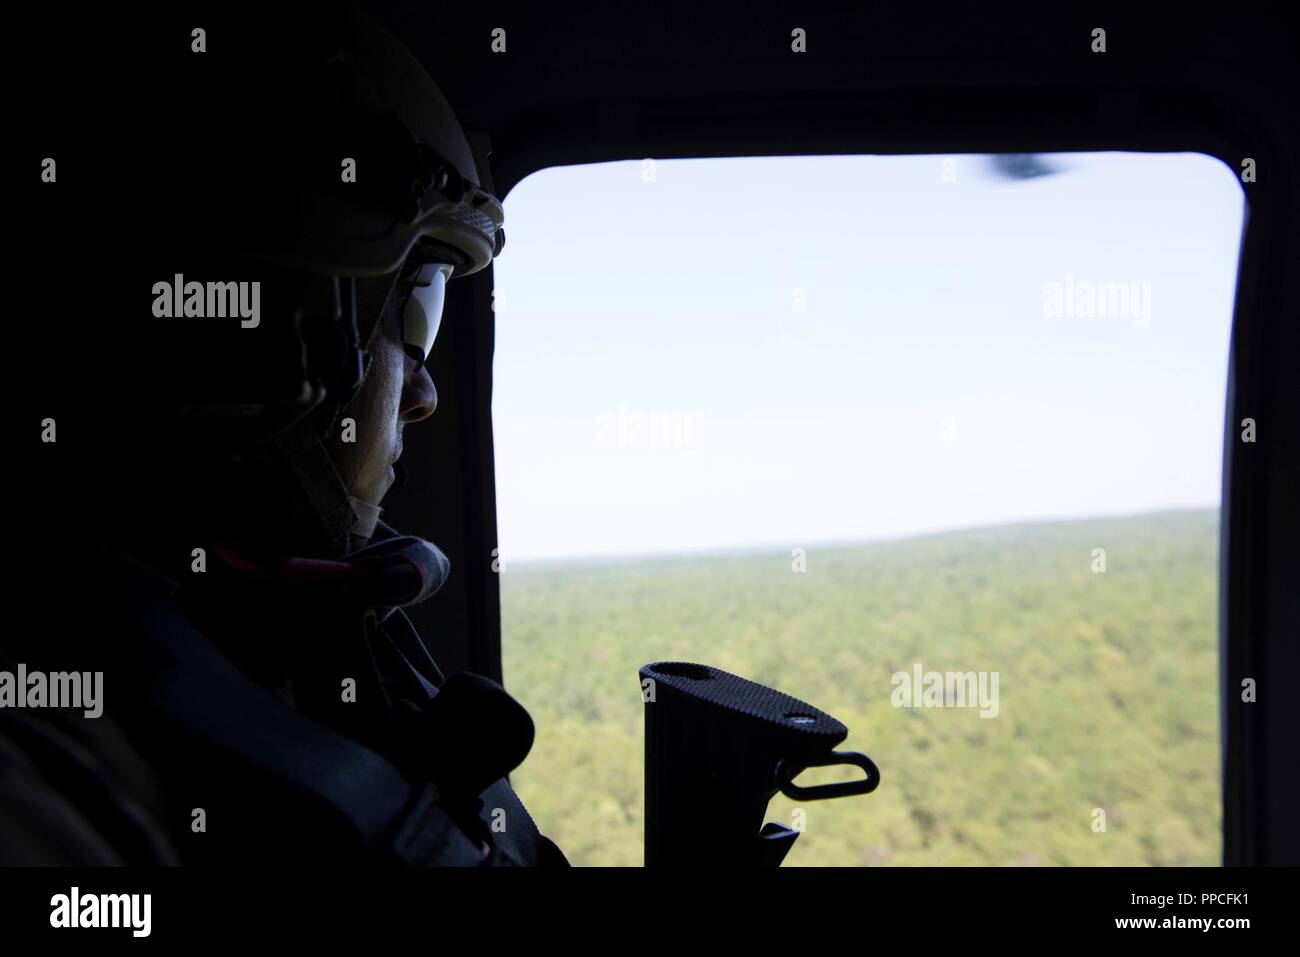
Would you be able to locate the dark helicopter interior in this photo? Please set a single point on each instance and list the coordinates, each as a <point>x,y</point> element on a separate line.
<point>535,91</point>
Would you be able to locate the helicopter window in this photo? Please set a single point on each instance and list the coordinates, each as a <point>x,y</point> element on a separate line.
<point>871,430</point>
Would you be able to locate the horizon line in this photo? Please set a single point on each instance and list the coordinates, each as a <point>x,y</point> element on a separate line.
<point>772,547</point>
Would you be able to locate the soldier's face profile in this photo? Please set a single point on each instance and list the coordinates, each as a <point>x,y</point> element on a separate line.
<point>394,394</point>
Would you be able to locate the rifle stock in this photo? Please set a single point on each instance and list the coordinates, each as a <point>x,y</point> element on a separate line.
<point>717,749</point>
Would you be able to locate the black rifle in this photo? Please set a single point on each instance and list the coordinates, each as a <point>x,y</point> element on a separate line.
<point>717,749</point>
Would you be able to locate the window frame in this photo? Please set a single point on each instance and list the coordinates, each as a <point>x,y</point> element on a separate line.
<point>1258,566</point>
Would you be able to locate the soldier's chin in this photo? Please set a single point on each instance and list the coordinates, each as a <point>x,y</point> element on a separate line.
<point>398,469</point>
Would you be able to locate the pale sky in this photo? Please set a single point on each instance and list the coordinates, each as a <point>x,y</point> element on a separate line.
<point>658,389</point>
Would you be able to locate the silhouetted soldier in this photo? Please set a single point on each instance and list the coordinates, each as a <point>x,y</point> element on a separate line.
<point>265,697</point>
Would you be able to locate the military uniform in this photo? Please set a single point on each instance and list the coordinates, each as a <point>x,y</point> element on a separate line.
<point>287,714</point>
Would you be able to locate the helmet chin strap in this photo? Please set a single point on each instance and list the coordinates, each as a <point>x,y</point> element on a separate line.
<point>347,521</point>
<point>367,518</point>
<point>307,458</point>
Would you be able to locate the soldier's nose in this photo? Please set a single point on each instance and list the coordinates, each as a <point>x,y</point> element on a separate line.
<point>419,397</point>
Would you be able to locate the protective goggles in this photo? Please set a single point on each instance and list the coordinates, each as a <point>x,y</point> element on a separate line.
<point>422,312</point>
